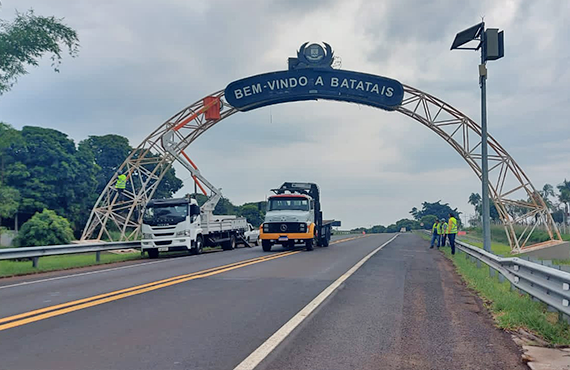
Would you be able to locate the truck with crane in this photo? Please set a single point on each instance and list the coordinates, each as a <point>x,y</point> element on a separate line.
<point>180,224</point>
<point>294,216</point>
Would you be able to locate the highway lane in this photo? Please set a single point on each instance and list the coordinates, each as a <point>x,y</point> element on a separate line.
<point>208,323</point>
<point>20,294</point>
<point>406,308</point>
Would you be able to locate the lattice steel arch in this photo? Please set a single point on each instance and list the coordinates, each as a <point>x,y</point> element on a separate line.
<point>147,164</point>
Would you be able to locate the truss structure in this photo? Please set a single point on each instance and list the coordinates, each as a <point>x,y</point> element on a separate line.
<point>520,206</point>
<point>118,216</point>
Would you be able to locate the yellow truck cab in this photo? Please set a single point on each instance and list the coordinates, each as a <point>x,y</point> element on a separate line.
<point>294,216</point>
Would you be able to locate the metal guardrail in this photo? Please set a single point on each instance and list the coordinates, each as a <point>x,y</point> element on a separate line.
<point>52,250</point>
<point>543,283</point>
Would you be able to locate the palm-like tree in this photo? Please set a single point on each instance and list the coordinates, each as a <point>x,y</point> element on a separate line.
<point>475,201</point>
<point>547,192</point>
<point>564,197</point>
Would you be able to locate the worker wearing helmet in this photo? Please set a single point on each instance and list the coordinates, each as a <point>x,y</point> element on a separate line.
<point>435,234</point>
<point>443,231</point>
<point>452,231</point>
<point>121,184</point>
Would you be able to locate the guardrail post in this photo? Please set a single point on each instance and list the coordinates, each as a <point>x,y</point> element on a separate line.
<point>478,264</point>
<point>97,256</point>
<point>501,278</point>
<point>35,261</point>
<point>491,272</point>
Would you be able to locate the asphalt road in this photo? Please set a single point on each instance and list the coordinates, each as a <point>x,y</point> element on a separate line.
<point>404,309</point>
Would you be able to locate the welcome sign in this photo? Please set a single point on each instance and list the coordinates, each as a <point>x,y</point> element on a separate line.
<point>312,84</point>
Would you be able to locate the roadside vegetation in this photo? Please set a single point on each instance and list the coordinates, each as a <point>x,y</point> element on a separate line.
<point>511,309</point>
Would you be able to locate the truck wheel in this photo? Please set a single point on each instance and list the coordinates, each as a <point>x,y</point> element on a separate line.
<point>309,244</point>
<point>152,253</point>
<point>266,245</point>
<point>199,245</point>
<point>325,242</point>
<point>230,244</point>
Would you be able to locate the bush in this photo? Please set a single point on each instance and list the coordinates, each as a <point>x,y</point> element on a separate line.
<point>46,228</point>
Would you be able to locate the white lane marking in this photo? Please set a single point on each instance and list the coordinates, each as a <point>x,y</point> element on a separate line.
<point>100,271</point>
<point>88,273</point>
<point>270,344</point>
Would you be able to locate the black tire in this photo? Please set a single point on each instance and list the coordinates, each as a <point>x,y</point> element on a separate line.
<point>309,244</point>
<point>152,253</point>
<point>199,245</point>
<point>266,245</point>
<point>230,244</point>
<point>324,242</point>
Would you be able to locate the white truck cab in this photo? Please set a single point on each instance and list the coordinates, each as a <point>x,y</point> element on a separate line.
<point>179,224</point>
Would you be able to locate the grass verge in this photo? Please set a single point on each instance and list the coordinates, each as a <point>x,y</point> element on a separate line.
<point>511,309</point>
<point>52,263</point>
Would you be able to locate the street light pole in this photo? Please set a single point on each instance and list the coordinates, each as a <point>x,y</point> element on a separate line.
<point>492,48</point>
<point>484,151</point>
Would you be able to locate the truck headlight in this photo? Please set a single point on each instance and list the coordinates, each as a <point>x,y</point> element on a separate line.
<point>302,227</point>
<point>265,228</point>
<point>183,233</point>
<point>147,236</point>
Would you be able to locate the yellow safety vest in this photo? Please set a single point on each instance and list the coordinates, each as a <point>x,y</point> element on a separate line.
<point>121,182</point>
<point>452,226</point>
<point>435,227</point>
<point>440,229</point>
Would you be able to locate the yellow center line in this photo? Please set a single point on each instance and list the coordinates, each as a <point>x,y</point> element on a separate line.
<point>123,293</point>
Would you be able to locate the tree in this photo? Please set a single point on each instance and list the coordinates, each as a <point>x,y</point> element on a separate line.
<point>475,201</point>
<point>51,173</point>
<point>437,209</point>
<point>252,214</point>
<point>27,39</point>
<point>564,197</point>
<point>428,221</point>
<point>109,152</point>
<point>46,228</point>
<point>408,224</point>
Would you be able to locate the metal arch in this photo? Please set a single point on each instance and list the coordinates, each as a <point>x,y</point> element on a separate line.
<point>118,217</point>
<point>145,167</point>
<point>506,179</point>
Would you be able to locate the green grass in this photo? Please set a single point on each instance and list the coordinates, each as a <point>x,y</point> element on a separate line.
<point>51,263</point>
<point>511,309</point>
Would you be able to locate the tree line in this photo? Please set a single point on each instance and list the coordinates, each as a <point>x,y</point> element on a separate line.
<point>43,168</point>
<point>423,218</point>
<point>557,199</point>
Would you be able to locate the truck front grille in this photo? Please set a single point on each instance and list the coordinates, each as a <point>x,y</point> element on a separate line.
<point>284,227</point>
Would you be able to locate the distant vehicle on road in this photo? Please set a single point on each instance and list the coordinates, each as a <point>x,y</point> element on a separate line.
<point>294,216</point>
<point>252,235</point>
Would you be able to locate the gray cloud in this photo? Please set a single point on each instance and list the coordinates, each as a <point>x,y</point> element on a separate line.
<point>141,62</point>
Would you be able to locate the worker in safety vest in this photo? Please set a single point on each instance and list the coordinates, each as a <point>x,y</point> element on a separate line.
<point>443,231</point>
<point>440,233</point>
<point>121,183</point>
<point>435,234</point>
<point>452,231</point>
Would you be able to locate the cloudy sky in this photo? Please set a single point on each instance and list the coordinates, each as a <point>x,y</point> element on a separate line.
<point>141,61</point>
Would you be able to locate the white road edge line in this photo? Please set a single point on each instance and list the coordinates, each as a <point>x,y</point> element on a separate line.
<point>270,344</point>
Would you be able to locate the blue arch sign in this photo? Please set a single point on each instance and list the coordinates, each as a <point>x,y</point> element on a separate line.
<point>311,77</point>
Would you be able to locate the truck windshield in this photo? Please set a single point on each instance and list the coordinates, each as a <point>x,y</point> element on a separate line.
<point>167,214</point>
<point>282,204</point>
